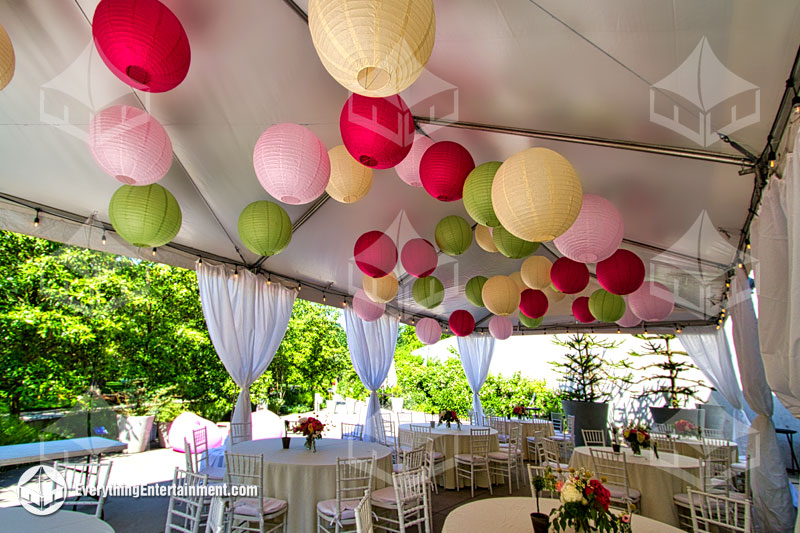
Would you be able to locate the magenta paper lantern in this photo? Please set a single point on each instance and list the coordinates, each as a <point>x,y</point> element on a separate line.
<point>461,323</point>
<point>130,145</point>
<point>408,168</point>
<point>378,132</point>
<point>428,331</point>
<point>651,302</point>
<point>622,273</point>
<point>142,42</point>
<point>533,303</point>
<point>444,169</point>
<point>500,327</point>
<point>419,258</point>
<point>628,320</point>
<point>580,310</point>
<point>375,254</point>
<point>568,276</point>
<point>365,308</point>
<point>595,234</point>
<point>291,163</point>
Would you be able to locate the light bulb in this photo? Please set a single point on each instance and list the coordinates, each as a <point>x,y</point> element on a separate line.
<point>796,104</point>
<point>36,219</point>
<point>103,238</point>
<point>324,298</point>
<point>771,158</point>
<point>154,252</point>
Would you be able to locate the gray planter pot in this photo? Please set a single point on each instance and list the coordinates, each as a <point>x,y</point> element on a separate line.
<point>588,415</point>
<point>135,431</point>
<point>670,415</point>
<point>163,433</point>
<point>715,417</point>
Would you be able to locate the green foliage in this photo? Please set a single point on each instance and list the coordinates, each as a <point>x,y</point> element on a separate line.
<point>15,431</point>
<point>588,376</point>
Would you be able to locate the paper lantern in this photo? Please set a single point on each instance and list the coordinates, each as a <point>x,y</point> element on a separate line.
<point>512,246</point>
<point>428,292</point>
<point>628,319</point>
<point>7,59</point>
<point>373,47</point>
<point>606,307</point>
<point>419,258</point>
<point>622,273</point>
<point>349,181</point>
<point>378,132</point>
<point>530,322</point>
<point>553,295</point>
<point>453,235</point>
<point>474,289</point>
<point>595,234</point>
<point>380,290</point>
<point>483,236</point>
<point>535,272</point>
<point>533,303</point>
<point>536,194</point>
<point>428,331</point>
<point>568,276</point>
<point>461,323</point>
<point>375,254</point>
<point>408,168</point>
<point>500,327</point>
<point>365,308</point>
<point>500,295</point>
<point>291,163</point>
<point>651,302</point>
<point>130,145</point>
<point>478,194</point>
<point>444,168</point>
<point>142,42</point>
<point>517,277</point>
<point>580,310</point>
<point>265,228</point>
<point>147,216</point>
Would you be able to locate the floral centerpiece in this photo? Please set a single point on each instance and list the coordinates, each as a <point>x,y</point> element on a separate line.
<point>684,428</point>
<point>311,428</point>
<point>520,411</point>
<point>584,506</point>
<point>637,437</point>
<point>448,416</point>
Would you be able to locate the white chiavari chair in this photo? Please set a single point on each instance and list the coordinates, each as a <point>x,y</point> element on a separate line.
<point>186,502</point>
<point>593,437</point>
<point>614,467</point>
<point>257,512</point>
<point>354,478</point>
<point>714,512</point>
<point>469,464</point>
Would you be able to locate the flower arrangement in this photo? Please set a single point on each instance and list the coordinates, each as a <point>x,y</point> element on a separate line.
<point>637,437</point>
<point>311,428</point>
<point>684,427</point>
<point>448,416</point>
<point>519,410</point>
<point>584,505</point>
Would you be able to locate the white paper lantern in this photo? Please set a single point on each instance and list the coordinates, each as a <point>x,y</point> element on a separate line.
<point>596,233</point>
<point>483,236</point>
<point>500,327</point>
<point>350,181</point>
<point>380,290</point>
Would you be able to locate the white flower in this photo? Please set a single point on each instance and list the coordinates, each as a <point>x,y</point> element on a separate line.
<point>570,494</point>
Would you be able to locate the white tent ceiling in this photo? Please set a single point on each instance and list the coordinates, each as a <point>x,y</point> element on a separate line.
<point>574,68</point>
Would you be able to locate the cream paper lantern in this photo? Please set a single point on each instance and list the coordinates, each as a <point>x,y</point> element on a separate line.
<point>535,272</point>
<point>7,59</point>
<point>380,290</point>
<point>483,236</point>
<point>350,181</point>
<point>536,194</point>
<point>501,295</point>
<point>517,277</point>
<point>373,47</point>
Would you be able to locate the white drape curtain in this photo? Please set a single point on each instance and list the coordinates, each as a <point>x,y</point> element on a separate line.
<point>712,354</point>
<point>772,500</point>
<point>371,346</point>
<point>246,319</point>
<point>476,353</point>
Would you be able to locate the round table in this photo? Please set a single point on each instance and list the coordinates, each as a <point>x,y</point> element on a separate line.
<point>657,479</point>
<point>691,447</point>
<point>303,478</point>
<point>514,515</point>
<point>18,519</point>
<point>451,442</point>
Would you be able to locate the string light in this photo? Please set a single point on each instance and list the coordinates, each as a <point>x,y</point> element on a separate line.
<point>748,246</point>
<point>412,321</point>
<point>236,273</point>
<point>619,331</point>
<point>344,303</point>
<point>269,279</point>
<point>796,104</point>
<point>299,287</point>
<point>678,329</point>
<point>324,298</point>
<point>103,238</point>
<point>727,284</point>
<point>741,265</point>
<point>154,252</point>
<point>36,219</point>
<point>717,326</point>
<point>199,260</point>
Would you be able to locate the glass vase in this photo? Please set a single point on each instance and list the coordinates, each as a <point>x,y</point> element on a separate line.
<point>311,444</point>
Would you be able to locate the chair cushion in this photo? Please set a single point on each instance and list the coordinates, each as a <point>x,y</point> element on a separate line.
<point>438,456</point>
<point>499,456</point>
<point>397,468</point>
<point>502,438</point>
<point>618,493</point>
<point>384,496</point>
<point>469,458</point>
<point>556,466</point>
<point>346,509</point>
<point>213,472</point>
<point>249,506</point>
<point>682,499</point>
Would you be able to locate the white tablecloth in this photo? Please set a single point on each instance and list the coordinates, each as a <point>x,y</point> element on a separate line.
<point>691,447</point>
<point>303,478</point>
<point>18,519</point>
<point>657,479</point>
<point>513,515</point>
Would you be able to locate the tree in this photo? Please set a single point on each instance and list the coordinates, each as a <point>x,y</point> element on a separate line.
<point>588,376</point>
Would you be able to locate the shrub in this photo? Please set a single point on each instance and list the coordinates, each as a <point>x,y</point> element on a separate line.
<point>15,431</point>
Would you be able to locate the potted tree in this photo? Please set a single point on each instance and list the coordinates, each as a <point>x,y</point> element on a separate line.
<point>135,423</point>
<point>589,381</point>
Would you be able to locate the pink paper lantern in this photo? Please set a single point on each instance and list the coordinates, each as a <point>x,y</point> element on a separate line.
<point>580,310</point>
<point>130,145</point>
<point>183,426</point>
<point>461,323</point>
<point>419,258</point>
<point>628,320</point>
<point>365,308</point>
<point>533,303</point>
<point>500,327</point>
<point>444,169</point>
<point>595,234</point>
<point>408,168</point>
<point>291,163</point>
<point>568,276</point>
<point>622,273</point>
<point>375,254</point>
<point>428,331</point>
<point>651,302</point>
<point>378,132</point>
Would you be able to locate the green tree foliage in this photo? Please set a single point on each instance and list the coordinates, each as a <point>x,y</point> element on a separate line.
<point>588,375</point>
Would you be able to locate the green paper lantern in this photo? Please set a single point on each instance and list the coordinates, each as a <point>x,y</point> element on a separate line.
<point>147,216</point>
<point>478,194</point>
<point>473,290</point>
<point>428,292</point>
<point>453,235</point>
<point>512,246</point>
<point>606,307</point>
<point>265,228</point>
<point>530,322</point>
